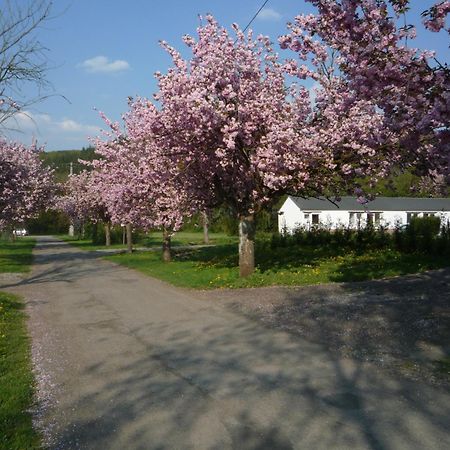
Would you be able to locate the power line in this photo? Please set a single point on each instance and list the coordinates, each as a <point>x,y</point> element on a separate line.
<point>255,16</point>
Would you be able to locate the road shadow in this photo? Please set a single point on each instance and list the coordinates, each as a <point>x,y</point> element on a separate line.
<point>243,386</point>
<point>402,324</point>
<point>55,261</point>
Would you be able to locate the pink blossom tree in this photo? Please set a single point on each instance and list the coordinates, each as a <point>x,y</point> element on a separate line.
<point>143,187</point>
<point>372,55</point>
<point>26,185</point>
<point>240,136</point>
<point>83,200</point>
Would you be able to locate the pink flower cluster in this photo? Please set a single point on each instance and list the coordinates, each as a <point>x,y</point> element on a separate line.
<point>26,186</point>
<point>236,133</point>
<point>371,56</point>
<point>435,16</point>
<point>83,198</point>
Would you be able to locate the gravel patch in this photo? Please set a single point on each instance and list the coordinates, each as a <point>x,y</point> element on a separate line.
<point>401,324</point>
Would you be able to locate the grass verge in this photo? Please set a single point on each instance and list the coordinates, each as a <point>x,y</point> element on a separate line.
<point>216,267</point>
<point>16,379</point>
<point>182,238</point>
<point>16,256</point>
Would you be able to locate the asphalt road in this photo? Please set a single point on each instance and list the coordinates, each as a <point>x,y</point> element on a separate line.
<point>124,361</point>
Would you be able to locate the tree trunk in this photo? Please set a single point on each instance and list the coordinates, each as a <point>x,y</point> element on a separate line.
<point>79,232</point>
<point>124,234</point>
<point>71,230</point>
<point>95,233</point>
<point>108,234</point>
<point>246,245</point>
<point>129,238</point>
<point>166,256</point>
<point>205,227</point>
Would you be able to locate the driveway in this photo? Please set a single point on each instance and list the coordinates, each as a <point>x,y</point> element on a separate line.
<point>124,361</point>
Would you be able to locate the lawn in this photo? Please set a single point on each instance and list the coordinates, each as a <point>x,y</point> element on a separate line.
<point>216,267</point>
<point>154,239</point>
<point>16,379</point>
<point>16,256</point>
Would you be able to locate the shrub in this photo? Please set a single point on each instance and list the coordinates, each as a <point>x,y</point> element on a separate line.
<point>422,235</point>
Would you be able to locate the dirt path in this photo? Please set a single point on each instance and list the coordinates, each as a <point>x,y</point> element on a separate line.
<point>127,362</point>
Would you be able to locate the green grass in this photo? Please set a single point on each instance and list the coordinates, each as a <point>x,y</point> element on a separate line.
<point>190,238</point>
<point>16,380</point>
<point>155,240</point>
<point>16,256</point>
<point>216,267</point>
<point>86,244</point>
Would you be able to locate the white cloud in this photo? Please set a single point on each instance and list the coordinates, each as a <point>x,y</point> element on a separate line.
<point>269,14</point>
<point>26,120</point>
<point>70,125</point>
<point>102,64</point>
<point>26,125</point>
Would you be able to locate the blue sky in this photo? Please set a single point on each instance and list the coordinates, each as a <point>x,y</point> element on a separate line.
<point>102,51</point>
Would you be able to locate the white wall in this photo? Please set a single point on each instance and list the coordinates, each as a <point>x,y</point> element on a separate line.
<point>290,217</point>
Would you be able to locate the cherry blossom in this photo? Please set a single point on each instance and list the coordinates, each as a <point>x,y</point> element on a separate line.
<point>26,185</point>
<point>361,42</point>
<point>83,200</point>
<point>142,187</point>
<point>239,135</point>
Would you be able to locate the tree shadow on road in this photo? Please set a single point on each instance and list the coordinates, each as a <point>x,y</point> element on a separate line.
<point>240,385</point>
<point>401,323</point>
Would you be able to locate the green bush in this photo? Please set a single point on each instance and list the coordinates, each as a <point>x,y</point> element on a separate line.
<point>48,222</point>
<point>422,235</point>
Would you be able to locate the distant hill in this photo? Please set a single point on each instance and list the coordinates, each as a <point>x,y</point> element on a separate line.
<point>60,161</point>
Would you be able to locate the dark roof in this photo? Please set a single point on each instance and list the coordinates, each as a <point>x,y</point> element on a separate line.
<point>379,204</point>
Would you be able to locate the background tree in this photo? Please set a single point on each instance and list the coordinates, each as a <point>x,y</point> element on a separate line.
<point>83,201</point>
<point>22,55</point>
<point>142,186</point>
<point>26,185</point>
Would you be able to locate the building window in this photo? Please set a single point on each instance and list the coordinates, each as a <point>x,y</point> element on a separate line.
<point>315,219</point>
<point>358,219</point>
<point>306,217</point>
<point>377,217</point>
<point>351,219</point>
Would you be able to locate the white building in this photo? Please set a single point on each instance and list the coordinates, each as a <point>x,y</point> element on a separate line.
<point>389,212</point>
